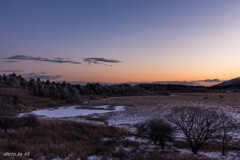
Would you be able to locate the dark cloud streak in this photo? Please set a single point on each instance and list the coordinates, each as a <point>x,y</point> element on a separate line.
<point>10,71</point>
<point>41,75</point>
<point>103,61</point>
<point>54,60</point>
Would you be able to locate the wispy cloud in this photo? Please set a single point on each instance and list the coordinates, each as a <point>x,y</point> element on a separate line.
<point>54,60</point>
<point>103,61</point>
<point>41,75</point>
<point>44,77</point>
<point>10,71</point>
<point>205,82</point>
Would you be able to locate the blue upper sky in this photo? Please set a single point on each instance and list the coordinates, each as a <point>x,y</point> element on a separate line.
<point>149,40</point>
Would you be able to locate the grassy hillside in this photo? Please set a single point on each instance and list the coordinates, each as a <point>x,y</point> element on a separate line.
<point>24,101</point>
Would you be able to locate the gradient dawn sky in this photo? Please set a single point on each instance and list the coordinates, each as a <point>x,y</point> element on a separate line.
<point>121,40</point>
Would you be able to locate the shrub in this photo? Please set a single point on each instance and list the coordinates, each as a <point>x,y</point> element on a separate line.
<point>16,99</point>
<point>30,120</point>
<point>7,116</point>
<point>155,130</point>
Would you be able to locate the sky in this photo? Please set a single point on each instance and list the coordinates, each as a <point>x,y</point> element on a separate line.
<point>118,41</point>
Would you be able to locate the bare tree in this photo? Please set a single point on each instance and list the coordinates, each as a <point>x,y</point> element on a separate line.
<point>199,124</point>
<point>228,128</point>
<point>156,130</point>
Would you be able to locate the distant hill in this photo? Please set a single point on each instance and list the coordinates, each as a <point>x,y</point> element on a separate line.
<point>232,82</point>
<point>184,83</point>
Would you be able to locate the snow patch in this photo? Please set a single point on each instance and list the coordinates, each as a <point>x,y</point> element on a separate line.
<point>94,157</point>
<point>73,111</point>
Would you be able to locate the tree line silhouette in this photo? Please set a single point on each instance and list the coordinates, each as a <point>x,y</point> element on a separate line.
<point>67,91</point>
<point>74,92</point>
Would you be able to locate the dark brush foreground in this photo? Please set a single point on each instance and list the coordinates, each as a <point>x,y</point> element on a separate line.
<point>65,139</point>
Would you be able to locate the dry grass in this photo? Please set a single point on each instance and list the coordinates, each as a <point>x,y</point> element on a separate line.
<point>100,119</point>
<point>208,147</point>
<point>173,156</point>
<point>230,99</point>
<point>165,155</point>
<point>58,138</point>
<point>61,138</point>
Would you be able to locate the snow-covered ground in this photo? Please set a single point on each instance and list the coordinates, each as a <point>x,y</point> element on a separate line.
<point>73,111</point>
<point>128,111</point>
<point>144,108</point>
